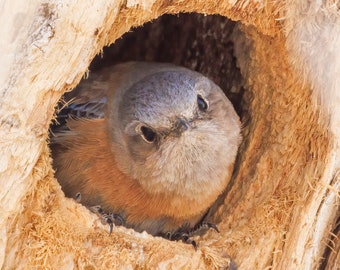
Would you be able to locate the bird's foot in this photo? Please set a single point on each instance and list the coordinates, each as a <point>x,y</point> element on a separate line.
<point>106,218</point>
<point>185,233</point>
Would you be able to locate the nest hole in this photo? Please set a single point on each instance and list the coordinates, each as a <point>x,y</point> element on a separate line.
<point>204,43</point>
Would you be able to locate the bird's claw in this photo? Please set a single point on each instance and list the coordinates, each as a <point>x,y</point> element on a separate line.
<point>204,226</point>
<point>77,197</point>
<point>185,233</point>
<point>107,218</point>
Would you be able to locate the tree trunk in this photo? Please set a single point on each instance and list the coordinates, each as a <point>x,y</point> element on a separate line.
<point>278,61</point>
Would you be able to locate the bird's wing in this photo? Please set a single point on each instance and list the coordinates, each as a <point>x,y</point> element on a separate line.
<point>87,101</point>
<point>90,98</point>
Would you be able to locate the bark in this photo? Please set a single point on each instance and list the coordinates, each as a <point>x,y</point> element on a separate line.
<point>277,61</point>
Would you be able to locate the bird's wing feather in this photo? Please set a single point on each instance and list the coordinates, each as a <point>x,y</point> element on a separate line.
<point>89,99</point>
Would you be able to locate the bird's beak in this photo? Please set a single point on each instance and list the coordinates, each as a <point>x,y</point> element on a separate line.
<point>181,125</point>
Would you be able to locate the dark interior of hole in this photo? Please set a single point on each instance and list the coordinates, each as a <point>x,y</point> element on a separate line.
<point>201,43</point>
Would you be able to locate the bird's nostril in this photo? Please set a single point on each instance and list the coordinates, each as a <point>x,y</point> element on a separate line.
<point>181,125</point>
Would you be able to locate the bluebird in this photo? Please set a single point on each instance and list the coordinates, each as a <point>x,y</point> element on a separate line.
<point>153,143</point>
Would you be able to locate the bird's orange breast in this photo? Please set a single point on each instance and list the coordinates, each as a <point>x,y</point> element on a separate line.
<point>86,164</point>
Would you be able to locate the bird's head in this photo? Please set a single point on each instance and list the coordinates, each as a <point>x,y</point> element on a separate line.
<point>176,132</point>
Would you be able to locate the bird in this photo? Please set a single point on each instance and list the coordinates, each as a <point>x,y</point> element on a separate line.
<point>153,143</point>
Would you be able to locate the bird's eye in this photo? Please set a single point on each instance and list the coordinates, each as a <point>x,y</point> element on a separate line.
<point>148,134</point>
<point>202,104</point>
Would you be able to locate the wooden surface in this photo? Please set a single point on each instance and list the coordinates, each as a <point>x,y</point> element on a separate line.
<point>282,210</point>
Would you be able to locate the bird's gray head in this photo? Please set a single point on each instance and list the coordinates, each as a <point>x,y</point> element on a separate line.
<point>176,132</point>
